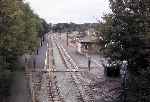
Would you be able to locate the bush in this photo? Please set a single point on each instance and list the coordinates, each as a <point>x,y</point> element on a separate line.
<point>5,83</point>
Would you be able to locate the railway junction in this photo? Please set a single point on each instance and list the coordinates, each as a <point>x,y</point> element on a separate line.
<point>64,75</point>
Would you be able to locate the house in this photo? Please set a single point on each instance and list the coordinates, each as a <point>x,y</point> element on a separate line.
<point>87,45</point>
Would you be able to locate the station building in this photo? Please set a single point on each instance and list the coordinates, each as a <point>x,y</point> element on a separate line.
<point>87,45</point>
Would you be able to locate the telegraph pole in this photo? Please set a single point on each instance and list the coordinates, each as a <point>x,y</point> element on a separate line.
<point>67,38</point>
<point>60,34</point>
<point>89,63</point>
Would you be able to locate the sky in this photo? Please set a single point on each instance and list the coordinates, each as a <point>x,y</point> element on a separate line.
<point>65,11</point>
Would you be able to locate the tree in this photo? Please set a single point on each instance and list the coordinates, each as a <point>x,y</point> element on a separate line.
<point>45,27</point>
<point>19,34</point>
<point>105,29</point>
<point>128,39</point>
<point>9,18</point>
<point>129,31</point>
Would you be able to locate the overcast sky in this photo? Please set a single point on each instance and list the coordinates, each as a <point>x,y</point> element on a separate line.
<point>77,11</point>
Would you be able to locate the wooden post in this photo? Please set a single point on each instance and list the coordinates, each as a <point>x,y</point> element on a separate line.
<point>67,39</point>
<point>34,63</point>
<point>89,63</point>
<point>37,51</point>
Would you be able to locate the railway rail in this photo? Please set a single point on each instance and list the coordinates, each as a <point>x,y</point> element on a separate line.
<point>85,93</point>
<point>53,89</point>
<point>54,94</point>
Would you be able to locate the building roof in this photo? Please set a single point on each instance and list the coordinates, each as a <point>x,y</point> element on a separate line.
<point>88,39</point>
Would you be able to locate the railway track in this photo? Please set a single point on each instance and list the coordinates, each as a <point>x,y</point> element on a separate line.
<point>54,94</point>
<point>84,91</point>
<point>41,81</point>
<point>83,87</point>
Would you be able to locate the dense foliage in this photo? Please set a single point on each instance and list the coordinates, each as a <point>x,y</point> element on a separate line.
<point>20,32</point>
<point>126,35</point>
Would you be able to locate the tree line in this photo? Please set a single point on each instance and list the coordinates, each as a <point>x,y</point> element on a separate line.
<point>69,27</point>
<point>126,36</point>
<point>20,32</point>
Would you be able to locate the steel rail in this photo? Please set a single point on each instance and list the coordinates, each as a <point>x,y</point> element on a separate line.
<point>85,92</point>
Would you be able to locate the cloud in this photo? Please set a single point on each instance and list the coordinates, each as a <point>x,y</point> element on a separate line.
<point>78,11</point>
